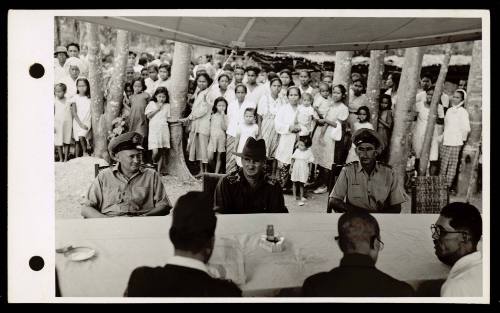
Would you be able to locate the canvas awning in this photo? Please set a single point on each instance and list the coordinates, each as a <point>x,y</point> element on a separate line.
<point>300,33</point>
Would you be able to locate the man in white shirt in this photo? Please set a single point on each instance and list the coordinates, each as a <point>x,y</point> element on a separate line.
<point>456,235</point>
<point>60,55</point>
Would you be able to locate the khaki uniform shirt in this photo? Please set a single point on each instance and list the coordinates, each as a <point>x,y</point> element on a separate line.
<point>375,192</point>
<point>111,192</point>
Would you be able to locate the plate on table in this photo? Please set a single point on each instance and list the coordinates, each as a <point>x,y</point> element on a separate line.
<point>80,254</point>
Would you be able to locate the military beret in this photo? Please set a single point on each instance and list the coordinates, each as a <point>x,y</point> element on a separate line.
<point>127,141</point>
<point>365,135</point>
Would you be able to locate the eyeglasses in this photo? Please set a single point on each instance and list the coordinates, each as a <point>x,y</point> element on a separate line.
<point>438,231</point>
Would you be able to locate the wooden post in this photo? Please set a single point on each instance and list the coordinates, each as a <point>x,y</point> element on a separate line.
<point>115,98</point>
<point>431,121</point>
<point>407,92</point>
<point>375,73</point>
<point>180,79</point>
<point>57,29</point>
<point>97,94</point>
<point>342,73</point>
<point>473,104</point>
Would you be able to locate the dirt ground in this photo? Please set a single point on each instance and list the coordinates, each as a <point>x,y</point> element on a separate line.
<point>73,178</point>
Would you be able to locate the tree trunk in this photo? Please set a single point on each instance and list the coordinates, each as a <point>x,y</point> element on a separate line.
<point>342,73</point>
<point>97,94</point>
<point>76,30</point>
<point>81,39</point>
<point>115,97</point>
<point>180,78</point>
<point>407,92</point>
<point>474,107</point>
<point>57,28</point>
<point>375,72</point>
<point>431,121</point>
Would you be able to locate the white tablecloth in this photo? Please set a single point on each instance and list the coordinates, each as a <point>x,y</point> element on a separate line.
<point>122,244</point>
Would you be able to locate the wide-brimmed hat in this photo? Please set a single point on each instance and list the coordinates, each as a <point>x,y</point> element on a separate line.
<point>60,49</point>
<point>365,135</point>
<point>253,149</point>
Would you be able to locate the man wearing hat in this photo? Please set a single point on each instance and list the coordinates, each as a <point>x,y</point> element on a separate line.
<point>126,189</point>
<point>367,184</point>
<point>60,55</point>
<point>248,190</point>
<point>192,234</point>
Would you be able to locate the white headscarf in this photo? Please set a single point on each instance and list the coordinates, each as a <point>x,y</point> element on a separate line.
<point>464,94</point>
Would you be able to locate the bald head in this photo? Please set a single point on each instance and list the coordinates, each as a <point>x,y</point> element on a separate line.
<point>357,232</point>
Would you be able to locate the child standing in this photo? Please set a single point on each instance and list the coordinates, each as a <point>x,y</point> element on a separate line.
<point>128,91</point>
<point>218,127</point>
<point>302,160</point>
<point>306,115</point>
<point>158,113</point>
<point>245,130</point>
<point>363,114</point>
<point>385,122</point>
<point>63,122</point>
<point>80,106</point>
<point>137,120</point>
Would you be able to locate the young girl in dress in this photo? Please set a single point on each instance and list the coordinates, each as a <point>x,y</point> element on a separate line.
<point>158,113</point>
<point>80,106</point>
<point>306,115</point>
<point>137,120</point>
<point>128,91</point>
<point>218,127</point>
<point>363,114</point>
<point>302,159</point>
<point>245,130</point>
<point>63,122</point>
<point>385,122</point>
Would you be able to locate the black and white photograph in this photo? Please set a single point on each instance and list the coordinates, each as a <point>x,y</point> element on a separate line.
<point>253,156</point>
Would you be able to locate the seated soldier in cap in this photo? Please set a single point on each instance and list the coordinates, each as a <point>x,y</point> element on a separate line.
<point>359,239</point>
<point>126,189</point>
<point>249,190</point>
<point>367,184</point>
<point>185,274</point>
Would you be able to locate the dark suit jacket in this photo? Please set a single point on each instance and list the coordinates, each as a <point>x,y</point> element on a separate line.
<point>355,277</point>
<point>177,281</point>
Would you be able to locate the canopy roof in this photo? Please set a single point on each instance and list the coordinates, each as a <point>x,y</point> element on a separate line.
<point>300,33</point>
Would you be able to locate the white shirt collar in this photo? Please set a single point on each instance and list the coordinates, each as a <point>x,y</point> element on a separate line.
<point>465,263</point>
<point>188,262</point>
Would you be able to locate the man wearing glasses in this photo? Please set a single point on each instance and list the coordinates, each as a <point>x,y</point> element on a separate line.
<point>456,235</point>
<point>367,184</point>
<point>357,276</point>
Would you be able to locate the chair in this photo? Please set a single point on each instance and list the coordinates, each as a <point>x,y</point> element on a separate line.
<point>210,181</point>
<point>429,194</point>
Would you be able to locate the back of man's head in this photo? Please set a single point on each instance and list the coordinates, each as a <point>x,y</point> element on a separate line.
<point>465,216</point>
<point>357,232</point>
<point>193,222</point>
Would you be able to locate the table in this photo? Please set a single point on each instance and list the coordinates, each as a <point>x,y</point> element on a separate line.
<point>122,244</point>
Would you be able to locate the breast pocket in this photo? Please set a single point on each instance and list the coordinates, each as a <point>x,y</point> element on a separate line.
<point>140,195</point>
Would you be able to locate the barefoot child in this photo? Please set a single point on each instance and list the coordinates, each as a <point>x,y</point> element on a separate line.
<point>248,129</point>
<point>302,160</point>
<point>218,127</point>
<point>63,122</point>
<point>80,106</point>
<point>158,113</point>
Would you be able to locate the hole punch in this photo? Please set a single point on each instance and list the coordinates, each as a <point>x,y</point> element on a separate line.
<point>36,263</point>
<point>37,70</point>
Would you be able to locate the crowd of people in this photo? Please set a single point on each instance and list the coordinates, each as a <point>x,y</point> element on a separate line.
<point>307,125</point>
<point>266,132</point>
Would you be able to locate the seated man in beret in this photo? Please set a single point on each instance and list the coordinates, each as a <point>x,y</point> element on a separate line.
<point>248,190</point>
<point>367,184</point>
<point>126,189</point>
<point>185,275</point>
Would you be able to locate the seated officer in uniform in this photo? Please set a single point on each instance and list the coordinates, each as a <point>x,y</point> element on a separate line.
<point>367,184</point>
<point>192,234</point>
<point>249,190</point>
<point>357,276</point>
<point>126,189</point>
